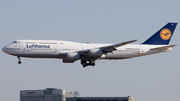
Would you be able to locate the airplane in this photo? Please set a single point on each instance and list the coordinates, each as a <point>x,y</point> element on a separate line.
<point>88,53</point>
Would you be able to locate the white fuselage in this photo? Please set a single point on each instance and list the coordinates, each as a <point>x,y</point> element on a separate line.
<point>51,49</point>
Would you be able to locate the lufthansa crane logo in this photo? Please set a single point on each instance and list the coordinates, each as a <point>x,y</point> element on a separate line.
<point>165,34</point>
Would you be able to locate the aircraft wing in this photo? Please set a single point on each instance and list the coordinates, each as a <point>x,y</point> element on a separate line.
<point>109,48</point>
<point>102,50</point>
<point>113,47</point>
<point>164,47</point>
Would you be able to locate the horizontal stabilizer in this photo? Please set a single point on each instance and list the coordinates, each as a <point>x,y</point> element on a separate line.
<point>164,47</point>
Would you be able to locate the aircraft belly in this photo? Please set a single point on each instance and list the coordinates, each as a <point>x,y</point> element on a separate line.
<point>120,54</point>
<point>38,55</point>
<point>154,52</point>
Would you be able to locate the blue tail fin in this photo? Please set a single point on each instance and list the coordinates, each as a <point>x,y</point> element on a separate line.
<point>163,36</point>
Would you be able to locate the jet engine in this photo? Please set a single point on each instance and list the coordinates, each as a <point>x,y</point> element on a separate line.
<point>71,57</point>
<point>95,52</point>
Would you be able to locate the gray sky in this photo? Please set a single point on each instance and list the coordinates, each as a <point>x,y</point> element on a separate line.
<point>151,78</point>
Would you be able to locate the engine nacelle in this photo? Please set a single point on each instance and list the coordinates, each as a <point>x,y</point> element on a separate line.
<point>71,57</point>
<point>95,52</point>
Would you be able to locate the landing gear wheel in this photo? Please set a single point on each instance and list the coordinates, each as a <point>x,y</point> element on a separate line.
<point>84,65</point>
<point>93,64</point>
<point>19,62</point>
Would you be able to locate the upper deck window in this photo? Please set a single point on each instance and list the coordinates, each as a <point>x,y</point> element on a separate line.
<point>14,42</point>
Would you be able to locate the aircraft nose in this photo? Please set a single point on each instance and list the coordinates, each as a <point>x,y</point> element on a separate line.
<point>4,49</point>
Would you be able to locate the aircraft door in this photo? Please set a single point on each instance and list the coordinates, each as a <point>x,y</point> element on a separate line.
<point>15,45</point>
<point>24,48</point>
<point>55,47</point>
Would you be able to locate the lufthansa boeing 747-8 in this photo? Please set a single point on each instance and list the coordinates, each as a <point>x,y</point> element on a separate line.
<point>88,53</point>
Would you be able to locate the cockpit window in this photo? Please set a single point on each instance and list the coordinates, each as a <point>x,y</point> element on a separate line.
<point>14,42</point>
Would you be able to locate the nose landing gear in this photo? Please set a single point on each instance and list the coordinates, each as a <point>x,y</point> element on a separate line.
<point>19,62</point>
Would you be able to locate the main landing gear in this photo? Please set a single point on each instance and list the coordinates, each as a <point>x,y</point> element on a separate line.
<point>19,62</point>
<point>90,63</point>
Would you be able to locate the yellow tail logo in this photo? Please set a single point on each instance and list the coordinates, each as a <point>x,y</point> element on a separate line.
<point>165,34</point>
